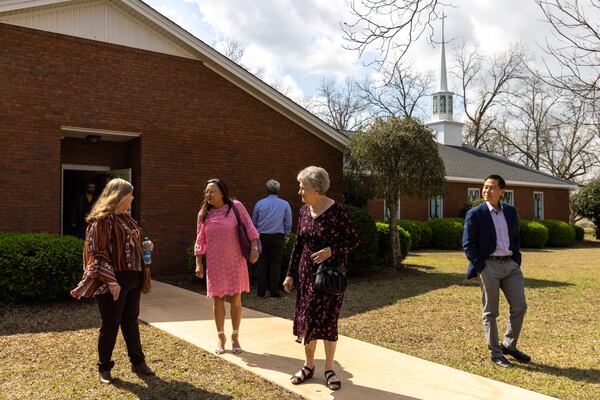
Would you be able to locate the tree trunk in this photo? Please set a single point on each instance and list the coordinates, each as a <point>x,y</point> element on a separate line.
<point>394,240</point>
<point>597,225</point>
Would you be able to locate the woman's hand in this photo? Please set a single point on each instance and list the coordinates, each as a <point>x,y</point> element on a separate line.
<point>199,270</point>
<point>288,284</point>
<point>115,290</point>
<point>253,255</point>
<point>321,255</point>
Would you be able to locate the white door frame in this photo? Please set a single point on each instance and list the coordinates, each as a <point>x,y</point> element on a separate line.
<point>74,167</point>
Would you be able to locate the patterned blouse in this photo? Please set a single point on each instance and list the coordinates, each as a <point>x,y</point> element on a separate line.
<point>112,244</point>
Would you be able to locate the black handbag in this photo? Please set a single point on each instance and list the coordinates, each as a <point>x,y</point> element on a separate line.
<point>330,279</point>
<point>243,236</point>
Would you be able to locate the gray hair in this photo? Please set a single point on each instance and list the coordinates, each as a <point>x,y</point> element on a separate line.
<point>315,178</point>
<point>273,186</point>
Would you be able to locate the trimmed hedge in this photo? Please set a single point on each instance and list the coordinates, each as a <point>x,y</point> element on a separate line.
<point>384,252</point>
<point>39,266</point>
<point>364,256</point>
<point>467,206</point>
<point>561,233</point>
<point>579,233</point>
<point>446,233</point>
<point>533,234</point>
<point>420,232</point>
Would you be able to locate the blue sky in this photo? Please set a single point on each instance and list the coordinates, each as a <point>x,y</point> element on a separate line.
<point>297,43</point>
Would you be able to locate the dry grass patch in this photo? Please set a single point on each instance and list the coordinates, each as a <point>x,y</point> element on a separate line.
<point>49,352</point>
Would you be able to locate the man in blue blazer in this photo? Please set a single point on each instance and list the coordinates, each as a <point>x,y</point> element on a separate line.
<point>492,245</point>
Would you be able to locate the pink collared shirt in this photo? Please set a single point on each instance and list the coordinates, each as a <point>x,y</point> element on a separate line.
<point>501,227</point>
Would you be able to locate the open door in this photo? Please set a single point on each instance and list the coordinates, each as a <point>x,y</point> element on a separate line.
<point>119,173</point>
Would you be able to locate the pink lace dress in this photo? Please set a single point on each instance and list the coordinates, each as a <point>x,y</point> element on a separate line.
<point>217,237</point>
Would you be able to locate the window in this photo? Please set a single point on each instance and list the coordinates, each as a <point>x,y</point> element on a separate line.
<point>538,206</point>
<point>473,194</point>
<point>386,211</point>
<point>435,104</point>
<point>509,198</point>
<point>449,104</point>
<point>435,207</point>
<point>443,104</point>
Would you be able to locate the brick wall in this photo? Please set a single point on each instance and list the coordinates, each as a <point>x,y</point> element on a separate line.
<point>194,125</point>
<point>556,203</point>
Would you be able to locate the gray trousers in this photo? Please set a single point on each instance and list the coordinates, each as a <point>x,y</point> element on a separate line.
<point>505,276</point>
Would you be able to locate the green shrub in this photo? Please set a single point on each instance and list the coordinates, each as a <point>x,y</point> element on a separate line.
<point>533,234</point>
<point>39,266</point>
<point>384,252</point>
<point>579,233</point>
<point>420,232</point>
<point>561,233</point>
<point>446,233</point>
<point>364,256</point>
<point>463,211</point>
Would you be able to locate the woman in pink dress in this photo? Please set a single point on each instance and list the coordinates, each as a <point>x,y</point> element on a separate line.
<point>226,269</point>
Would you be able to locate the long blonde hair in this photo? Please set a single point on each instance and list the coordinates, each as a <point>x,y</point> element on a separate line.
<point>111,196</point>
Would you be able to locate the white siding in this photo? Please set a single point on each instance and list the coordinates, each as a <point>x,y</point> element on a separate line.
<point>99,20</point>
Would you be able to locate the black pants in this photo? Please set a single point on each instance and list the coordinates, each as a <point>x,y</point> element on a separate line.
<point>270,269</point>
<point>124,313</point>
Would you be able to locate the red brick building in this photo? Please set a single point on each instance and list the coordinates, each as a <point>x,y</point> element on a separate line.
<point>98,88</point>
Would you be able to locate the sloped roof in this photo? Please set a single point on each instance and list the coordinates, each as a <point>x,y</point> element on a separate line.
<point>211,58</point>
<point>467,164</point>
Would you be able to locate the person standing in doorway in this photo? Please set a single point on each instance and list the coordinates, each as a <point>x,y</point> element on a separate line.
<point>492,245</point>
<point>83,206</point>
<point>272,217</point>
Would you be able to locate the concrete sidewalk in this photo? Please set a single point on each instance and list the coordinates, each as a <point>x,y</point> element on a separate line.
<point>366,371</point>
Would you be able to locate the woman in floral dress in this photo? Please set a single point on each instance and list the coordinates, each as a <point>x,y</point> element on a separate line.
<point>324,233</point>
<point>226,268</point>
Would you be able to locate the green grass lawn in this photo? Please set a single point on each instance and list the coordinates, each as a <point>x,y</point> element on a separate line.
<point>431,311</point>
<point>49,352</point>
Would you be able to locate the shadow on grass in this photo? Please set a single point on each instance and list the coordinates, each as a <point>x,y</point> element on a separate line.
<point>369,293</point>
<point>158,388</point>
<point>576,374</point>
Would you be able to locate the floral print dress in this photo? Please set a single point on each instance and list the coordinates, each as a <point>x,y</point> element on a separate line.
<point>316,314</point>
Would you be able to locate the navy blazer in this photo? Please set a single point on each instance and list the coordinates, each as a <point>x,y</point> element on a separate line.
<point>479,236</point>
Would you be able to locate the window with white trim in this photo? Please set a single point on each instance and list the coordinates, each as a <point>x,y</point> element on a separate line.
<point>386,211</point>
<point>473,194</point>
<point>509,197</point>
<point>436,207</point>
<point>538,206</point>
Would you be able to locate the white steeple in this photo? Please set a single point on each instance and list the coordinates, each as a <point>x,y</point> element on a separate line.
<point>443,75</point>
<point>442,122</point>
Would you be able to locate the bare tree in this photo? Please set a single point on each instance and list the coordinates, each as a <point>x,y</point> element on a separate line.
<point>483,81</point>
<point>339,105</point>
<point>530,108</point>
<point>232,49</point>
<point>572,149</point>
<point>577,47</point>
<point>389,27</point>
<point>401,94</point>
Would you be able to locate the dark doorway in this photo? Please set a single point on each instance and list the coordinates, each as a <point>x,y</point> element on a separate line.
<point>74,183</point>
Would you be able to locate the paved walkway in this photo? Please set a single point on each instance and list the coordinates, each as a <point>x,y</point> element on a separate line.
<point>367,371</point>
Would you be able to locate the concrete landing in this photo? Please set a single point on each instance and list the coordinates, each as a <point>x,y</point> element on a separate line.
<point>366,371</point>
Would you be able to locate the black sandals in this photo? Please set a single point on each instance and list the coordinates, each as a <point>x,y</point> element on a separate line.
<point>303,374</point>
<point>333,383</point>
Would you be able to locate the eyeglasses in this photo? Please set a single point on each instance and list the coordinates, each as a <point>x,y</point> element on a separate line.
<point>215,180</point>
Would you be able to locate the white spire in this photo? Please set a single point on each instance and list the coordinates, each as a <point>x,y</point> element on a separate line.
<point>443,77</point>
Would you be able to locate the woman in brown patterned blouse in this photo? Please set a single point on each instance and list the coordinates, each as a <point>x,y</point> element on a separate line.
<point>324,233</point>
<point>115,274</point>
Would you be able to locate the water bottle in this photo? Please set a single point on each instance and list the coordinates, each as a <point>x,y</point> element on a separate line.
<point>147,251</point>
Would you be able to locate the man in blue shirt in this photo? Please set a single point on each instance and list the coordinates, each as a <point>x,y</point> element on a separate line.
<point>272,217</point>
